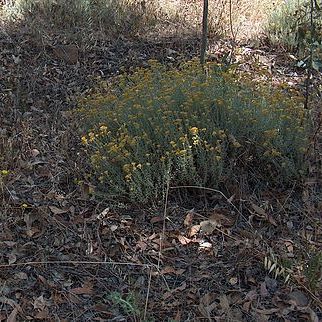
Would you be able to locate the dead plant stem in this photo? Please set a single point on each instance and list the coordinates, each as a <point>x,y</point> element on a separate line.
<point>163,224</point>
<point>204,36</point>
<point>147,295</point>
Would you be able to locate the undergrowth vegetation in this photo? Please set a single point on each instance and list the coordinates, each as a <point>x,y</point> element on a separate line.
<point>108,16</point>
<point>130,17</point>
<point>314,270</point>
<point>160,127</point>
<point>289,26</point>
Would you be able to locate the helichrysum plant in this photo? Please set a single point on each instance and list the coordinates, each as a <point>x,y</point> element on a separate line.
<point>184,126</point>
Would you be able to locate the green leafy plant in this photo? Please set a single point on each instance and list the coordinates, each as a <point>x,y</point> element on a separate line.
<point>181,127</point>
<point>128,303</point>
<point>313,271</point>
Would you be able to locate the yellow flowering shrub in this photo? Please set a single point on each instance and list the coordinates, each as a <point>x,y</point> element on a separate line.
<point>185,126</point>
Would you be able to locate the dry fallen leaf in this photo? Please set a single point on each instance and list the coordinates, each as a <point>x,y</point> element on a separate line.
<point>35,152</point>
<point>32,232</point>
<point>141,245</point>
<point>188,220</point>
<point>183,240</point>
<point>259,211</point>
<point>172,270</point>
<point>207,305</point>
<point>289,246</point>
<point>57,211</point>
<point>21,276</point>
<point>168,294</point>
<point>224,302</point>
<point>193,230</point>
<point>12,258</point>
<point>251,296</point>
<point>104,214</point>
<point>263,290</point>
<point>272,220</point>
<point>82,290</point>
<point>40,303</point>
<point>86,289</point>
<point>43,314</point>
<point>10,302</point>
<point>218,218</point>
<point>29,220</point>
<point>67,53</point>
<point>156,219</point>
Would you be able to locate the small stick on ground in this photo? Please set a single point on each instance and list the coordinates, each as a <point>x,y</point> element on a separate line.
<point>75,263</point>
<point>163,226</point>
<point>147,295</point>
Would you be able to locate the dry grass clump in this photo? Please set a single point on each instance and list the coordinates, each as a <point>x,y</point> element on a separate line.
<point>241,18</point>
<point>289,26</point>
<point>109,16</point>
<point>181,127</point>
<point>237,18</point>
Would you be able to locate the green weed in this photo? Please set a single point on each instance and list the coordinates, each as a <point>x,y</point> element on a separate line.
<point>313,271</point>
<point>128,304</point>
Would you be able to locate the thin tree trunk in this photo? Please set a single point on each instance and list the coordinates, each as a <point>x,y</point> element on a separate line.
<point>204,33</point>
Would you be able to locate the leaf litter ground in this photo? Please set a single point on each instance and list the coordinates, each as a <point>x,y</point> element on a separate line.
<point>65,256</point>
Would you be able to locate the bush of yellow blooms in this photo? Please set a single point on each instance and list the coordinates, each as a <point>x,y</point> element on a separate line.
<point>191,126</point>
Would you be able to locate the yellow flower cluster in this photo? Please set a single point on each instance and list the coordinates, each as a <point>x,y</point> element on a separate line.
<point>4,172</point>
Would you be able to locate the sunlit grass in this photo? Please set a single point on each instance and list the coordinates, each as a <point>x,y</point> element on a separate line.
<point>109,16</point>
<point>166,17</point>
